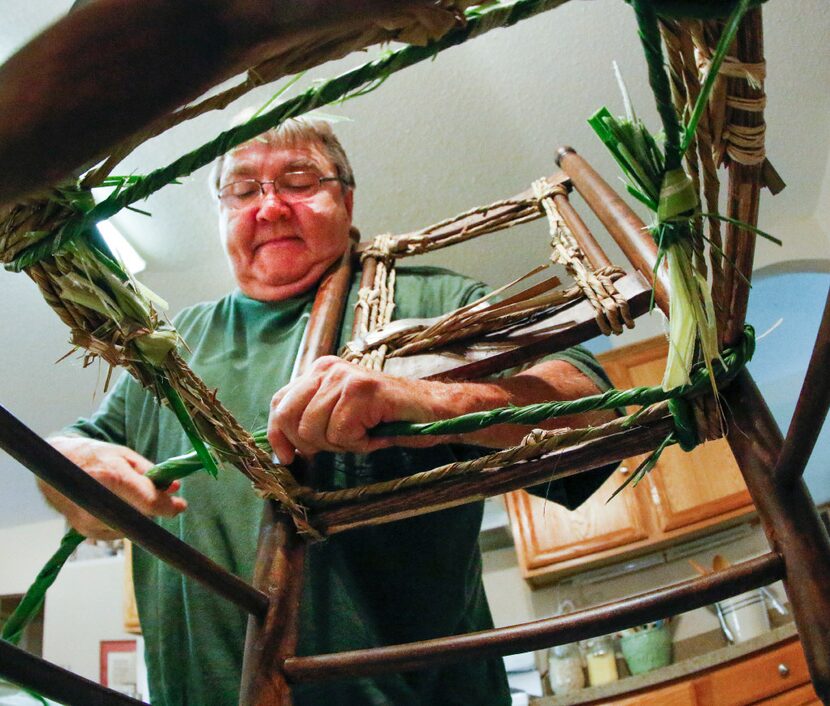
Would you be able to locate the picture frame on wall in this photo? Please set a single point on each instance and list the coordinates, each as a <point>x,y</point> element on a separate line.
<point>119,668</point>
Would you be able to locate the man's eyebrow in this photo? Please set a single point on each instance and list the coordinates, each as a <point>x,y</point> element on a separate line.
<point>302,164</point>
<point>243,169</point>
<point>238,170</point>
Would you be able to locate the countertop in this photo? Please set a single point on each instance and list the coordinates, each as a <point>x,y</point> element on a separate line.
<point>678,670</point>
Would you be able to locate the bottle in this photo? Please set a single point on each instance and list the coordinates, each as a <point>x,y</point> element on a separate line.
<point>602,663</point>
<point>565,669</point>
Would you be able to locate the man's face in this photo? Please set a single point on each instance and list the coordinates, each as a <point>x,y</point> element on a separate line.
<point>279,249</point>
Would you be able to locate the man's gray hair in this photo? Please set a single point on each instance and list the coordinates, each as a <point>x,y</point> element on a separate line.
<point>300,131</point>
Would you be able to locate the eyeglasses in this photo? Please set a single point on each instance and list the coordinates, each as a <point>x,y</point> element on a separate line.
<point>291,186</point>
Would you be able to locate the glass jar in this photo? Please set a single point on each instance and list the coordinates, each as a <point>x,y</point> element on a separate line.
<point>565,669</point>
<point>602,663</point>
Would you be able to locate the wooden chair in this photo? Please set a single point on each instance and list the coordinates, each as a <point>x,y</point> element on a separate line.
<point>772,467</point>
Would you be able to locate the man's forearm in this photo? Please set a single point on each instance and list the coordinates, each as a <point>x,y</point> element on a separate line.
<point>549,380</point>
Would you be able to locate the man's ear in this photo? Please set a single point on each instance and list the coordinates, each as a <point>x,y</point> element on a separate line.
<point>348,200</point>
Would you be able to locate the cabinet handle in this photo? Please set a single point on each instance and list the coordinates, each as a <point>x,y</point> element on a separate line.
<point>623,470</point>
<point>783,670</point>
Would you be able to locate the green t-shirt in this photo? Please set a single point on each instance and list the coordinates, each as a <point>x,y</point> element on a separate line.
<point>410,580</point>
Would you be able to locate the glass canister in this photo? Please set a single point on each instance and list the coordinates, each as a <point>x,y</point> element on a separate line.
<point>565,669</point>
<point>602,664</point>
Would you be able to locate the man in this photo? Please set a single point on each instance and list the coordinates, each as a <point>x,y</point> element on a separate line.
<point>285,210</point>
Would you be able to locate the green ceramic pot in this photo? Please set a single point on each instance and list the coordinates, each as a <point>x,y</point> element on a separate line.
<point>647,649</point>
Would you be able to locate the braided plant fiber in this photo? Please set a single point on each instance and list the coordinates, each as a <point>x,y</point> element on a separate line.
<point>657,179</point>
<point>113,316</point>
<point>44,237</point>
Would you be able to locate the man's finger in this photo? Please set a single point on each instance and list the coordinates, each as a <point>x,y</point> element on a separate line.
<point>283,449</point>
<point>137,461</point>
<point>287,412</point>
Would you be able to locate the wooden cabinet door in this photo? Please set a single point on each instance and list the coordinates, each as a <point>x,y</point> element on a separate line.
<point>688,491</point>
<point>680,694</point>
<point>803,695</point>
<point>550,538</point>
<point>757,678</point>
<point>685,494</point>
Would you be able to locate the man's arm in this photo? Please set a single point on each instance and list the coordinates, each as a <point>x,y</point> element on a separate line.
<point>119,469</point>
<point>332,407</point>
<point>97,445</point>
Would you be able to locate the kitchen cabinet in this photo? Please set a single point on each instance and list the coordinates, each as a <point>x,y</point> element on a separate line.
<point>685,495</point>
<point>682,694</point>
<point>775,676</point>
<point>772,673</point>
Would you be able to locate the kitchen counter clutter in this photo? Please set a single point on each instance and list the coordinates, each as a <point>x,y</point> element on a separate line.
<point>770,664</point>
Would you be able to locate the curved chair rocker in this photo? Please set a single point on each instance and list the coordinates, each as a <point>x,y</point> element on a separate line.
<point>47,234</point>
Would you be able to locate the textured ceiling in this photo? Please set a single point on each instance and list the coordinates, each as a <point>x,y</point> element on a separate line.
<point>477,124</point>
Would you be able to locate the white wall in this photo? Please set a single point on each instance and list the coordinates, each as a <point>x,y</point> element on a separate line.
<point>85,606</point>
<point>24,550</point>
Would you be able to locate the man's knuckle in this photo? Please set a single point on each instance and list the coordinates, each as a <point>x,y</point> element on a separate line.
<point>358,385</point>
<point>305,430</point>
<point>324,363</point>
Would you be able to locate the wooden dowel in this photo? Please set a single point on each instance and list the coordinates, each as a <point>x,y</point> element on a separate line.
<point>280,551</point>
<point>629,232</point>
<point>278,570</point>
<point>790,521</point>
<point>810,411</point>
<point>581,233</point>
<point>56,683</point>
<point>327,312</point>
<point>367,278</point>
<point>54,468</point>
<point>464,489</point>
<point>745,181</point>
<point>578,324</point>
<point>471,221</point>
<point>539,634</point>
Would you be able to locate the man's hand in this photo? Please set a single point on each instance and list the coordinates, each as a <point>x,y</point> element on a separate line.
<point>119,469</point>
<point>333,406</point>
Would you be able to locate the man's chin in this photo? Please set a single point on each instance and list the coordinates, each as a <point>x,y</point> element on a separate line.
<point>284,283</point>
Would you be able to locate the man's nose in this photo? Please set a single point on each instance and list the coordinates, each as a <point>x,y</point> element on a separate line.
<point>271,205</point>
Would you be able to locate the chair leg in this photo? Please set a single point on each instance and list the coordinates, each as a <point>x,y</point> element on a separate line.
<point>790,521</point>
<point>279,574</point>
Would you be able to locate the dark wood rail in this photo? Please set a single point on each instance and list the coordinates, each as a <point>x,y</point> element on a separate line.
<point>629,232</point>
<point>456,491</point>
<point>810,410</point>
<point>108,69</point>
<point>280,556</point>
<point>58,471</point>
<point>581,233</point>
<point>688,595</point>
<point>790,521</point>
<point>56,683</point>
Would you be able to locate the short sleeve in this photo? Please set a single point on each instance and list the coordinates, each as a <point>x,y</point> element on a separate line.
<point>572,491</point>
<point>108,422</point>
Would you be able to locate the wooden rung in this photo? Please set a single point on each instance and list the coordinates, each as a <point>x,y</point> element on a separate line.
<point>644,608</point>
<point>476,486</point>
<point>582,234</point>
<point>58,471</point>
<point>567,327</point>
<point>486,215</point>
<point>790,521</point>
<point>53,682</point>
<point>280,557</point>
<point>810,411</point>
<point>622,223</point>
<point>744,188</point>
